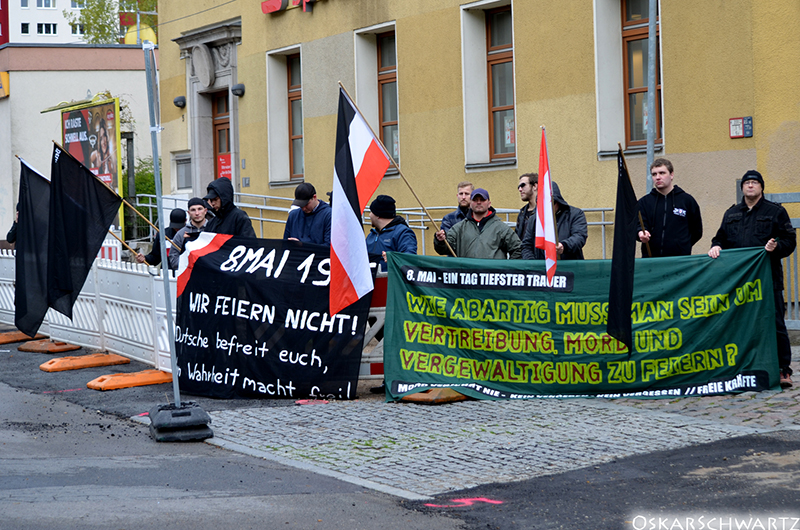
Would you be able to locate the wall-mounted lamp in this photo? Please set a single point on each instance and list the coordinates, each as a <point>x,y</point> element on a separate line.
<point>179,102</point>
<point>238,90</point>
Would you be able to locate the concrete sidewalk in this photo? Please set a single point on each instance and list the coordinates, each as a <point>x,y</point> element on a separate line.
<point>417,451</point>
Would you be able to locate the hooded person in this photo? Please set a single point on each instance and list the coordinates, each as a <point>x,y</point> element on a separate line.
<point>228,219</point>
<point>390,232</point>
<point>572,231</point>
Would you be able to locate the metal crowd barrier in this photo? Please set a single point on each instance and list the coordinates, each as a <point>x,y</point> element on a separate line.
<point>121,310</point>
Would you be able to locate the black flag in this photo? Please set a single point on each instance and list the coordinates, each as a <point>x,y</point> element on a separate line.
<point>30,288</point>
<point>620,294</point>
<point>81,210</point>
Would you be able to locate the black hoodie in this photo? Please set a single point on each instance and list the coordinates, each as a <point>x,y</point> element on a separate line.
<point>229,219</point>
<point>673,221</point>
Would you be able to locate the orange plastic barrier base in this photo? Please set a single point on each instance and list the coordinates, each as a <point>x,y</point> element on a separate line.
<point>83,361</point>
<point>7,337</point>
<point>117,381</point>
<point>436,396</point>
<point>48,346</point>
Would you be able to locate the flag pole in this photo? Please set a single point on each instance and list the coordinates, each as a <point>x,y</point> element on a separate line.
<point>110,232</point>
<point>391,159</point>
<point>126,203</point>
<point>125,245</point>
<point>641,221</point>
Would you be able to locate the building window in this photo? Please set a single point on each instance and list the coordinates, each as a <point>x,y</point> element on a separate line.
<point>23,4</point>
<point>46,4</point>
<point>500,62</point>
<point>221,115</point>
<point>77,4</point>
<point>77,29</point>
<point>46,29</point>
<point>25,28</point>
<point>183,167</point>
<point>387,93</point>
<point>487,48</point>
<point>295,89</point>
<point>635,19</point>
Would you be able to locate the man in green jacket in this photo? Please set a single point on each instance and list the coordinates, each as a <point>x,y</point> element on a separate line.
<point>481,235</point>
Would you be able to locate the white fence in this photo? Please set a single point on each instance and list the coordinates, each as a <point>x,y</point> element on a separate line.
<point>121,309</point>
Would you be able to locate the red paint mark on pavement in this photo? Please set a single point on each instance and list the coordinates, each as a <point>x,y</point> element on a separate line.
<point>464,502</point>
<point>311,402</point>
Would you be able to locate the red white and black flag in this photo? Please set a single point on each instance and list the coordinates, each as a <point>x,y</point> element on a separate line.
<point>361,161</point>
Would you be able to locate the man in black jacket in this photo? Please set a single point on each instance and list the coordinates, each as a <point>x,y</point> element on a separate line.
<point>528,187</point>
<point>672,222</point>
<point>229,219</point>
<point>757,222</point>
<point>571,227</point>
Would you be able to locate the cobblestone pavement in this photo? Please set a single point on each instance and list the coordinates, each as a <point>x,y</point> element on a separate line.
<point>416,451</point>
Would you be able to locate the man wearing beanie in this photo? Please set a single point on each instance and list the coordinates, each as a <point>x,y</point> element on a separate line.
<point>197,223</point>
<point>757,222</point>
<point>311,222</point>
<point>390,232</point>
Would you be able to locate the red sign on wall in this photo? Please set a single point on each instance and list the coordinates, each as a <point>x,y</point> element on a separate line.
<point>224,166</point>
<point>276,6</point>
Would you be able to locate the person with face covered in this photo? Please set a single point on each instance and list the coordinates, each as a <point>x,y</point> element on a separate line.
<point>228,218</point>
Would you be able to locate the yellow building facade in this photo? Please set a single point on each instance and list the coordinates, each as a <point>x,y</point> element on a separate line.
<point>474,83</point>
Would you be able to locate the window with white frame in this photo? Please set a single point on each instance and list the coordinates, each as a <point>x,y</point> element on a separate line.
<point>635,41</point>
<point>76,4</point>
<point>46,29</point>
<point>23,4</point>
<point>25,28</point>
<point>46,4</point>
<point>77,29</point>
<point>183,169</point>
<point>295,105</point>
<point>285,115</point>
<point>487,45</point>
<point>387,93</point>
<point>620,38</point>
<point>376,90</point>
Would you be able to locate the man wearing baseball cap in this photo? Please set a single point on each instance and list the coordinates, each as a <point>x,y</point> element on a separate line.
<point>481,235</point>
<point>311,221</point>
<point>757,222</point>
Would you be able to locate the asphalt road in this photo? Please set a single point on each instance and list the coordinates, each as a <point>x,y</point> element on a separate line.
<point>72,459</point>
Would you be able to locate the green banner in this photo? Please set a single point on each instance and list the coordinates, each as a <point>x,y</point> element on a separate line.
<point>492,329</point>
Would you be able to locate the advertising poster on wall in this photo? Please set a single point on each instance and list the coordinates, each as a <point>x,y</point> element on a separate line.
<point>91,134</point>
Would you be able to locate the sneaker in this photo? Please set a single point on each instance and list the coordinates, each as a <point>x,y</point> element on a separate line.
<point>382,388</point>
<point>786,381</point>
